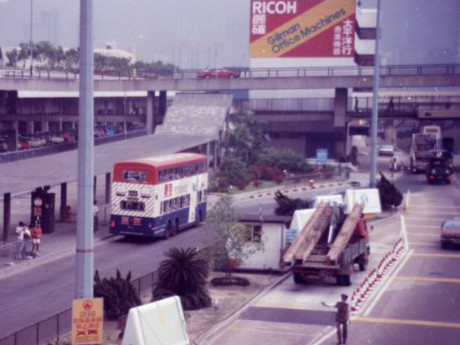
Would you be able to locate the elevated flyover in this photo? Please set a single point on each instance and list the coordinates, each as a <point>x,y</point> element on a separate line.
<point>252,79</point>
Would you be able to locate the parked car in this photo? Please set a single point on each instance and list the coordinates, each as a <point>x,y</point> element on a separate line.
<point>386,150</point>
<point>218,73</point>
<point>450,232</point>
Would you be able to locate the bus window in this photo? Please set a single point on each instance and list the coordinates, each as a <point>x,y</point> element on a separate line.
<point>137,176</point>
<point>132,206</point>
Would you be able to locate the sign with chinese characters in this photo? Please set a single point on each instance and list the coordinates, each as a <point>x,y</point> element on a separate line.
<point>321,156</point>
<point>302,28</point>
<point>87,321</point>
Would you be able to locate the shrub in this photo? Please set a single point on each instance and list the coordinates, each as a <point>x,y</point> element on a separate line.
<point>225,281</point>
<point>118,293</point>
<point>184,274</point>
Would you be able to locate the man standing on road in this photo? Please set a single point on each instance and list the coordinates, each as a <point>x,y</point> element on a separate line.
<point>341,318</point>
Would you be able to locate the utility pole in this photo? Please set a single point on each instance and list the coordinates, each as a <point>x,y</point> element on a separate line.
<point>85,233</point>
<point>31,37</point>
<point>375,109</point>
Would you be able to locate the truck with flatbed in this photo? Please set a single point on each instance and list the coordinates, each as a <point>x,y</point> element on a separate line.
<point>329,245</point>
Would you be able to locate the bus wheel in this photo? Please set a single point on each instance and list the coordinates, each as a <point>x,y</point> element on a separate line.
<point>175,228</point>
<point>167,231</point>
<point>199,217</point>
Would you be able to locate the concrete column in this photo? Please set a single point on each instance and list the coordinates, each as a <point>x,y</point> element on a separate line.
<point>45,126</point>
<point>208,152</point>
<point>30,127</point>
<point>150,120</point>
<point>214,166</point>
<point>6,215</point>
<point>163,104</point>
<point>63,209</point>
<point>340,112</point>
<point>108,182</point>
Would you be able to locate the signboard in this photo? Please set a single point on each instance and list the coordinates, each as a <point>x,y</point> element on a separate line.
<point>87,321</point>
<point>321,156</point>
<point>302,28</point>
<point>370,197</point>
<point>291,234</point>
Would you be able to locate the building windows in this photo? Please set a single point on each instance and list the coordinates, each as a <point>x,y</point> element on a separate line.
<point>253,233</point>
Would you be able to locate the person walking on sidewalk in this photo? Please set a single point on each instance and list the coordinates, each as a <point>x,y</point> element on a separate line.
<point>20,244</point>
<point>36,239</point>
<point>342,317</point>
<point>27,251</point>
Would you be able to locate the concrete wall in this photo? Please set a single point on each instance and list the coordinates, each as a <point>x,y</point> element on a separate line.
<point>269,258</point>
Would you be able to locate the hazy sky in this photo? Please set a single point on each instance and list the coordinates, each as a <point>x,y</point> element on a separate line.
<point>216,32</point>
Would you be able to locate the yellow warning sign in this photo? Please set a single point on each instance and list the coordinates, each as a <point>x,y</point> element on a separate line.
<point>87,321</point>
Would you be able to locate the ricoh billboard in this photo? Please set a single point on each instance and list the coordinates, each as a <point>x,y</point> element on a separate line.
<point>302,28</point>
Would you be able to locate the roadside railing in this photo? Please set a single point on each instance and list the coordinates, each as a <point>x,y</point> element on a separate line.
<point>12,156</point>
<point>296,72</point>
<point>58,326</point>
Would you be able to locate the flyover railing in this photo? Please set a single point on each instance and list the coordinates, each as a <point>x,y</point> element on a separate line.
<point>12,156</point>
<point>287,72</point>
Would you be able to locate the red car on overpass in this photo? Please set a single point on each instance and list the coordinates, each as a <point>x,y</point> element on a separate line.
<point>218,73</point>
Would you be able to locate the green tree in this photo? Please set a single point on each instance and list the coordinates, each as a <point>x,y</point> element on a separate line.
<point>71,60</point>
<point>229,242</point>
<point>284,159</point>
<point>246,140</point>
<point>183,273</point>
<point>13,57</point>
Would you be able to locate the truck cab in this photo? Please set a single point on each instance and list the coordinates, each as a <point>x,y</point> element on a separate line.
<point>439,167</point>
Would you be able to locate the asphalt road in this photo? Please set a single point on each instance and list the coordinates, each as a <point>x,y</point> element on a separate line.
<point>48,289</point>
<point>421,304</point>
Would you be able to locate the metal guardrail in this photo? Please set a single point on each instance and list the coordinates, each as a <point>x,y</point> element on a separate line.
<point>30,153</point>
<point>59,326</point>
<point>295,72</point>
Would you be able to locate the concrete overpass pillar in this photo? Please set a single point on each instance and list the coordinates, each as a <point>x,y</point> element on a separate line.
<point>150,120</point>
<point>340,112</point>
<point>163,104</point>
<point>30,127</point>
<point>45,126</point>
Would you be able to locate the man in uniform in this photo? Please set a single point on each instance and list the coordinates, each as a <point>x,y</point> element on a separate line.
<point>341,318</point>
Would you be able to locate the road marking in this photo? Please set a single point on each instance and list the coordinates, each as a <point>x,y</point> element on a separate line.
<point>424,218</point>
<point>433,212</point>
<point>434,255</point>
<point>422,234</point>
<point>421,226</point>
<point>259,330</point>
<point>434,206</point>
<point>426,279</point>
<point>408,322</point>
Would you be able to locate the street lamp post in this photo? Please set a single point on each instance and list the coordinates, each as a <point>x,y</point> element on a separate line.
<point>375,115</point>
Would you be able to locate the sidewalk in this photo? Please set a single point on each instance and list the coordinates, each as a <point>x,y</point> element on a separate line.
<point>60,243</point>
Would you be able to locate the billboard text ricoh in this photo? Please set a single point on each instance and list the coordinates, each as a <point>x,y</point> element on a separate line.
<point>302,28</point>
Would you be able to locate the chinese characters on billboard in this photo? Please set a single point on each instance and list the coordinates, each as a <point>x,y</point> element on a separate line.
<point>302,28</point>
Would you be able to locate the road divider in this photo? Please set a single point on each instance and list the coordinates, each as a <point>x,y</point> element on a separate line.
<point>376,275</point>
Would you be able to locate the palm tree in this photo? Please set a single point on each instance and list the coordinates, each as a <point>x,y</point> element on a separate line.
<point>183,274</point>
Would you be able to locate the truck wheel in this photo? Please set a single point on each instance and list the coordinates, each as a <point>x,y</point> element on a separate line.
<point>298,278</point>
<point>447,181</point>
<point>346,280</point>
